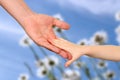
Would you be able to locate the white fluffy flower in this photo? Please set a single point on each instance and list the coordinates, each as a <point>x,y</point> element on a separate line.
<point>96,78</point>
<point>117,16</point>
<point>118,39</point>
<point>117,30</point>
<point>109,75</point>
<point>51,61</point>
<point>25,41</point>
<point>23,77</point>
<point>101,64</point>
<point>42,72</point>
<point>39,63</point>
<point>58,16</point>
<point>78,64</point>
<point>57,30</point>
<point>83,42</point>
<point>71,75</point>
<point>99,38</point>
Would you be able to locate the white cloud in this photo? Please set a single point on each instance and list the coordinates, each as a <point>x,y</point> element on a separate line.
<point>11,30</point>
<point>94,6</point>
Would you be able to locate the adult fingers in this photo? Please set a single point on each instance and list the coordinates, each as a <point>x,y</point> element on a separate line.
<point>67,54</point>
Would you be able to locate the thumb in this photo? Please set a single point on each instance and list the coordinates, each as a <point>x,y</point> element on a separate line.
<point>68,63</point>
<point>61,24</point>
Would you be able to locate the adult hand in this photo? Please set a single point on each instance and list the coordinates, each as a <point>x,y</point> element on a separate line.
<point>37,26</point>
<point>40,28</point>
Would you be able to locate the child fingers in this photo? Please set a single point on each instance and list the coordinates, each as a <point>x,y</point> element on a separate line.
<point>65,41</point>
<point>62,44</point>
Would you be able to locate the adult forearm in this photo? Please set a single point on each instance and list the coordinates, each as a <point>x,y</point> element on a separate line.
<point>107,52</point>
<point>17,8</point>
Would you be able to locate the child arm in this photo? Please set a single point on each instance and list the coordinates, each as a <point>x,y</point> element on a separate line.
<point>107,52</point>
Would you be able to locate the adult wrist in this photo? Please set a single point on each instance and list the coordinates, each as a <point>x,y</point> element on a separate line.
<point>26,19</point>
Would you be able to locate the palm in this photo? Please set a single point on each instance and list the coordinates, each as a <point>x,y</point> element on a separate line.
<point>39,28</point>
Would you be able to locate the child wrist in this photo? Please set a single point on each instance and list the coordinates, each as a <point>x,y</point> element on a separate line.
<point>86,50</point>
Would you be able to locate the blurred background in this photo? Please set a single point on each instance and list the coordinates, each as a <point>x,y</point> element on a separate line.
<point>93,22</point>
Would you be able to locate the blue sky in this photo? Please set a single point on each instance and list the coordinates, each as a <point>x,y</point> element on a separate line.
<point>84,16</point>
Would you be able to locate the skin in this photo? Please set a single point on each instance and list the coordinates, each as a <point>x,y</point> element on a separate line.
<point>37,26</point>
<point>106,52</point>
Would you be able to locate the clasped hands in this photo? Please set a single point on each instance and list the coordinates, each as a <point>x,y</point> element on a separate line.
<point>39,28</point>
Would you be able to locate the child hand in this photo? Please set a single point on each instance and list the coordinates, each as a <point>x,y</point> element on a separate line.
<point>75,50</point>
